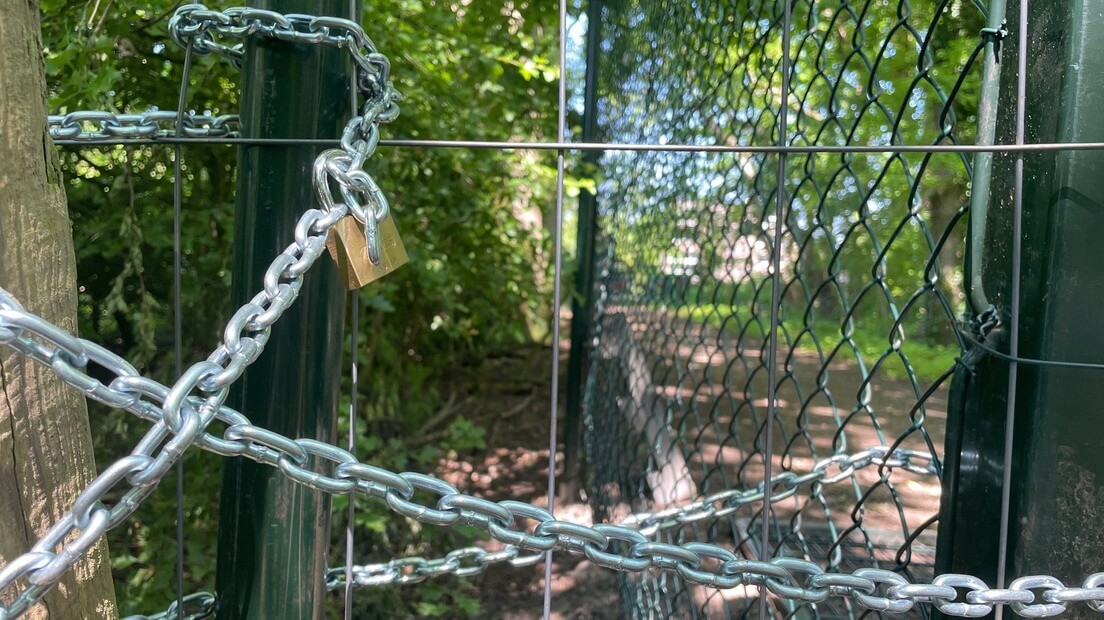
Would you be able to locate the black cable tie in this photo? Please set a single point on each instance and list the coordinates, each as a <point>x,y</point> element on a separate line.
<point>996,35</point>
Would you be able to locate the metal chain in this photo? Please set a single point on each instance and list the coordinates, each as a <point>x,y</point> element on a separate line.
<point>182,412</point>
<point>200,27</point>
<point>196,607</point>
<point>99,125</point>
<point>466,562</point>
<point>307,462</point>
<point>204,27</point>
<point>473,561</point>
<point>714,506</point>
<point>331,469</point>
<point>701,563</point>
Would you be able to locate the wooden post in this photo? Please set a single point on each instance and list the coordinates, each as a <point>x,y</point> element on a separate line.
<point>45,445</point>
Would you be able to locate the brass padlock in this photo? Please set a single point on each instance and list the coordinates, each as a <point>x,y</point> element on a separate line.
<point>348,247</point>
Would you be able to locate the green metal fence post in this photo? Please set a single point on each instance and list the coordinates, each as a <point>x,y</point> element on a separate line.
<point>973,441</point>
<point>583,300</point>
<point>1057,484</point>
<point>274,535</point>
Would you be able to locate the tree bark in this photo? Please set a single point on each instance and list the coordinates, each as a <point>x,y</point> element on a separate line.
<point>46,454</point>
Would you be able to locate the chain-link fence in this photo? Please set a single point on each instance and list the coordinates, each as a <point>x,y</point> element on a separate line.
<point>869,254</point>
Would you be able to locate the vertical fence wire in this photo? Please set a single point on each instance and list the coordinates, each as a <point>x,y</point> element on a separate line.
<point>350,523</point>
<point>1014,301</point>
<point>776,285</point>
<point>557,293</point>
<point>178,328</point>
<point>354,328</point>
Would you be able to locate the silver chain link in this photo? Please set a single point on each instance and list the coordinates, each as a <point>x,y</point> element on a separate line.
<point>102,126</point>
<point>199,27</point>
<point>196,607</point>
<point>180,413</point>
<point>324,467</point>
<point>203,28</point>
<point>702,563</point>
<point>331,469</point>
<point>473,561</point>
<point>718,505</point>
<point>466,562</point>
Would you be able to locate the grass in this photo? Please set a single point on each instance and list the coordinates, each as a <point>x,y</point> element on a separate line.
<point>927,361</point>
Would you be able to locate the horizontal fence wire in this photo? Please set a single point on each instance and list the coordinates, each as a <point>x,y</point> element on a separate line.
<point>605,146</point>
<point>882,112</point>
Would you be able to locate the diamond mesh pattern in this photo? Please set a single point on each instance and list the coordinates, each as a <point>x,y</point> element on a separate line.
<point>677,380</point>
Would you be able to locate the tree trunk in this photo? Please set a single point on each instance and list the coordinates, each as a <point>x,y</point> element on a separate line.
<point>45,445</point>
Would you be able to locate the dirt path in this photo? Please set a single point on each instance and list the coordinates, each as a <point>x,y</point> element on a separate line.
<point>515,466</point>
<point>509,396</point>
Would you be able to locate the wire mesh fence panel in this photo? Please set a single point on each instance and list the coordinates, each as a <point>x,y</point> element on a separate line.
<point>871,253</point>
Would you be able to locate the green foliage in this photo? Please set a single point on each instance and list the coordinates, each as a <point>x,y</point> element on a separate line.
<point>471,220</point>
<point>869,238</point>
<point>927,361</point>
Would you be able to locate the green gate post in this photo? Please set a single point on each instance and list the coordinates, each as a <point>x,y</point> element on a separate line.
<point>972,466</point>
<point>582,302</point>
<point>274,535</point>
<point>1057,477</point>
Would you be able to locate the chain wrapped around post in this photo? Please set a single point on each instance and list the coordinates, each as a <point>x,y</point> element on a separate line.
<point>718,505</point>
<point>99,125</point>
<point>331,469</point>
<point>181,414</point>
<point>473,561</point>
